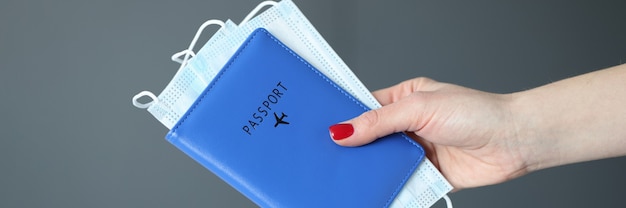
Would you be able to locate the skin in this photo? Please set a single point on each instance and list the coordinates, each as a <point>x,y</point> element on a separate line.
<point>477,138</point>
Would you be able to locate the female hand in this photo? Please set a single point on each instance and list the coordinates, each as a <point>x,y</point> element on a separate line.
<point>468,134</point>
<point>477,138</point>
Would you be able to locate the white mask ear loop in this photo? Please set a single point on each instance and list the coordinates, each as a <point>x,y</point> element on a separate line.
<point>448,201</point>
<point>176,57</point>
<point>195,39</point>
<point>136,102</point>
<point>256,10</point>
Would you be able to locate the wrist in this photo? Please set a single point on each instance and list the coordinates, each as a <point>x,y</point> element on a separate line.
<point>528,133</point>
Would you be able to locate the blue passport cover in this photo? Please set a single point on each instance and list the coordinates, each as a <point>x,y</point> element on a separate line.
<point>262,126</point>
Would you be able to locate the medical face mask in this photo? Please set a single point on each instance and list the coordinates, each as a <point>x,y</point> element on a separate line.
<point>189,81</point>
<point>285,21</point>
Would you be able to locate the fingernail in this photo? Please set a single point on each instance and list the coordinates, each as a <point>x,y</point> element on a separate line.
<point>341,131</point>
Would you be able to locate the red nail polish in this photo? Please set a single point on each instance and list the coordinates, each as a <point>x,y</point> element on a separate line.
<point>341,131</point>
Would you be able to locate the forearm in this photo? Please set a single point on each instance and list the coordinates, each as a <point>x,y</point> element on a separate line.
<point>577,119</point>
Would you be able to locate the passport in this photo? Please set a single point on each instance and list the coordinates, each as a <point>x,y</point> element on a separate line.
<point>261,125</point>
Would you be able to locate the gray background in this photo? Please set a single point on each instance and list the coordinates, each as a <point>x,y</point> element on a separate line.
<point>71,138</point>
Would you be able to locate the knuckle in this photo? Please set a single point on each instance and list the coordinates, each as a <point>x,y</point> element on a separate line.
<point>423,80</point>
<point>370,118</point>
<point>418,83</point>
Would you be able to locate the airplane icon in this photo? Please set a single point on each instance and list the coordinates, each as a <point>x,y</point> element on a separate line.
<point>280,120</point>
